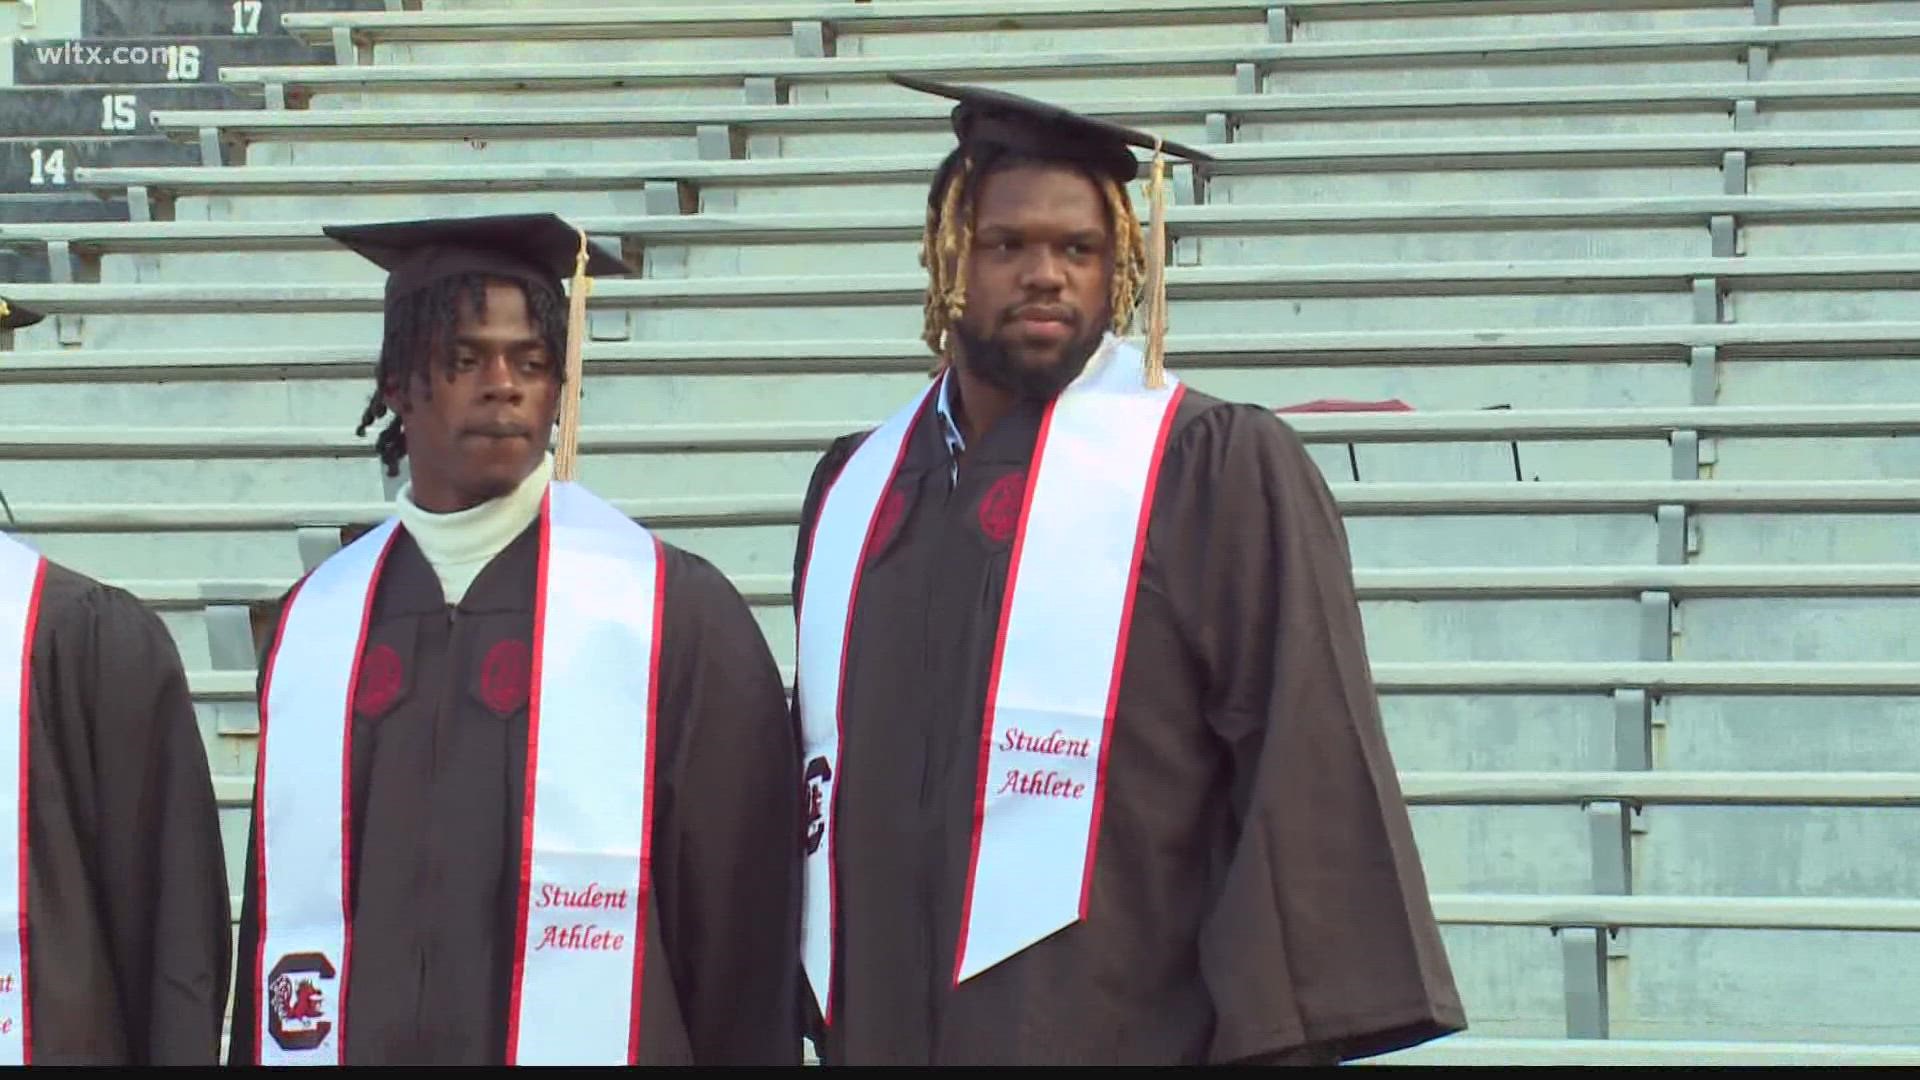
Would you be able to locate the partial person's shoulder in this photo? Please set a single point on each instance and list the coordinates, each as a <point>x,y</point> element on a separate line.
<point>68,596</point>
<point>838,453</point>
<point>843,447</point>
<point>702,604</point>
<point>85,624</point>
<point>693,578</point>
<point>827,470</point>
<point>707,627</point>
<point>1228,433</point>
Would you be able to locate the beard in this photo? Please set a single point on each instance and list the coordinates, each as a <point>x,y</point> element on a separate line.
<point>989,360</point>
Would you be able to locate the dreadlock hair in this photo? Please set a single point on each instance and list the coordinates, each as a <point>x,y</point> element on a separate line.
<point>948,240</point>
<point>419,337</point>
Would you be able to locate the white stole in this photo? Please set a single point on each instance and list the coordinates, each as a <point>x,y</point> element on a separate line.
<point>584,872</point>
<point>1056,670</point>
<point>22,572</point>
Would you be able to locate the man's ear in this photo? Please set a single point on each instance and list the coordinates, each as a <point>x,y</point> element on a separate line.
<point>396,399</point>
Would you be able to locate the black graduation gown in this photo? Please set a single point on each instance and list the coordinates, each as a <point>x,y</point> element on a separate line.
<point>130,926</point>
<point>439,760</point>
<point>1257,894</point>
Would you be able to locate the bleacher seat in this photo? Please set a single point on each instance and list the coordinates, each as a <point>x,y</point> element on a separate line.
<point>55,112</point>
<point>227,18</point>
<point>1636,565</point>
<point>88,101</point>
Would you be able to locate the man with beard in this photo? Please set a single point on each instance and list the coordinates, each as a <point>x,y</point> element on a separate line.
<point>525,791</point>
<point>1095,768</point>
<point>115,932</point>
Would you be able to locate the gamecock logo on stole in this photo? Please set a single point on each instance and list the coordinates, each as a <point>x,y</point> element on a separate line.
<point>297,1000</point>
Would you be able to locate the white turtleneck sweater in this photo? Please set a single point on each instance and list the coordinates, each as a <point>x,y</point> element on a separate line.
<point>460,544</point>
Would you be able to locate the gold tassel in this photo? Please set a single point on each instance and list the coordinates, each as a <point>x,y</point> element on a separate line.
<point>942,358</point>
<point>566,456</point>
<point>1157,270</point>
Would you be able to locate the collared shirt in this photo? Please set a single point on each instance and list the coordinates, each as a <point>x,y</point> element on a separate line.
<point>950,427</point>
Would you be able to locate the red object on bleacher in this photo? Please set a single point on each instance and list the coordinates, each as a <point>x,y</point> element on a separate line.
<point>1342,405</point>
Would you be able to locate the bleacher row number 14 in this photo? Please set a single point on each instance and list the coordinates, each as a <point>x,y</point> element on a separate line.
<point>49,167</point>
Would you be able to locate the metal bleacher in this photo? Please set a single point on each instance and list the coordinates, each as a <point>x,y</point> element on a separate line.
<point>86,79</point>
<point>1635,557</point>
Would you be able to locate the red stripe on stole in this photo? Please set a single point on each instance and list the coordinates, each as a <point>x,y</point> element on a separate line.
<point>260,828</point>
<point>26,725</point>
<point>1113,693</point>
<point>1120,647</point>
<point>839,725</point>
<point>346,798</point>
<point>646,837</point>
<point>993,685</point>
<point>533,764</point>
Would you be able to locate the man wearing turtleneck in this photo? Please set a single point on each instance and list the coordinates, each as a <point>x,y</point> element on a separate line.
<point>440,730</point>
<point>458,544</point>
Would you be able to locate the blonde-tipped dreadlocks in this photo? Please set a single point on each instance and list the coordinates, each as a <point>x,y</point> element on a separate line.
<point>949,237</point>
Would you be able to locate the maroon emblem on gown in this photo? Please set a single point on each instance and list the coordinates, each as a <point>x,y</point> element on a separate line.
<point>886,522</point>
<point>1000,507</point>
<point>381,676</point>
<point>505,676</point>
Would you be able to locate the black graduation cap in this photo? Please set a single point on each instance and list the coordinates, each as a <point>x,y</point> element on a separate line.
<point>522,247</point>
<point>13,316</point>
<point>539,248</point>
<point>995,118</point>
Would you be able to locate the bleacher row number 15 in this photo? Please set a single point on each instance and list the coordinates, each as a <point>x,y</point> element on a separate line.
<point>119,112</point>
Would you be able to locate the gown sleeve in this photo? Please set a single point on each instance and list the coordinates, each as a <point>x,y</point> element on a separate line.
<point>240,1039</point>
<point>1321,944</point>
<point>240,1035</point>
<point>164,910</point>
<point>728,863</point>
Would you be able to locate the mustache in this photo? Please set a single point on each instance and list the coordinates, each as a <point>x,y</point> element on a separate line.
<point>499,429</point>
<point>1055,312</point>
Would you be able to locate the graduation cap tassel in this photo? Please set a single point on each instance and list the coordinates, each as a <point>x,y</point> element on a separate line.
<point>566,456</point>
<point>1157,269</point>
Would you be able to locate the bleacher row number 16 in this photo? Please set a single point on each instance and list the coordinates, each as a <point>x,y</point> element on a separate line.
<point>183,63</point>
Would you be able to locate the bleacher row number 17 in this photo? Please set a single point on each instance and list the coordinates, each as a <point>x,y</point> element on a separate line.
<point>246,16</point>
